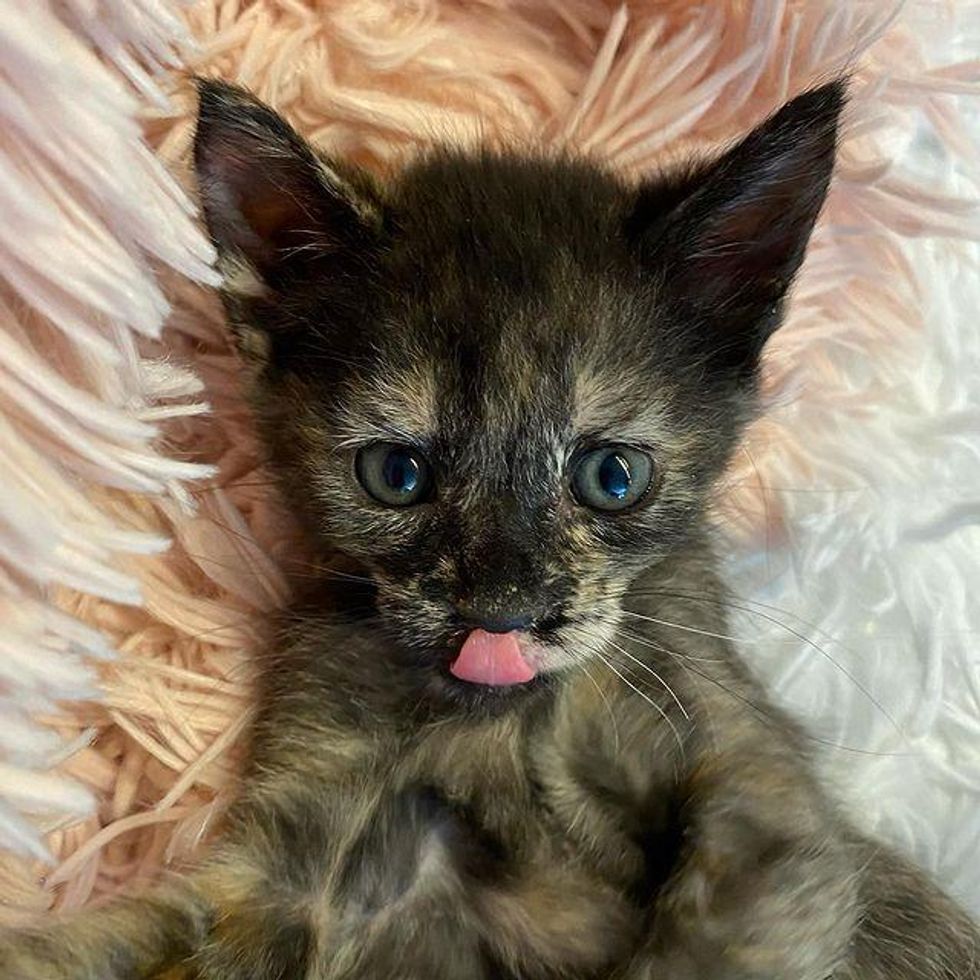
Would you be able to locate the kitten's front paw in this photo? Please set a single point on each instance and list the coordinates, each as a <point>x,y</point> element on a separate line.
<point>779,909</point>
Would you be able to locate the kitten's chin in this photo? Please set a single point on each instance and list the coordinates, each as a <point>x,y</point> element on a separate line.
<point>447,691</point>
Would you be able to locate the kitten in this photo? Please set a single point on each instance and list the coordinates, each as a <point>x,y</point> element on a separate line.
<point>512,741</point>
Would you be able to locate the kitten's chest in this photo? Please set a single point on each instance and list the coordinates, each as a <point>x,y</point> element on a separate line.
<point>544,869</point>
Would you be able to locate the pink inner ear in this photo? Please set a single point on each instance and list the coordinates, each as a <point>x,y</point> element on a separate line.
<point>749,242</point>
<point>272,212</point>
<point>272,197</point>
<point>259,195</point>
<point>494,659</point>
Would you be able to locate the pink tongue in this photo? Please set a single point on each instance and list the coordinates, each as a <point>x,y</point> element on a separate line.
<point>491,658</point>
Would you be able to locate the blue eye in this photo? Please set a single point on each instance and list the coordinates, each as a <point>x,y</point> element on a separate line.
<point>612,477</point>
<point>393,474</point>
<point>401,471</point>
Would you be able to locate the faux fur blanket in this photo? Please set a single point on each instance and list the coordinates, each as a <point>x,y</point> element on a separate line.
<point>851,517</point>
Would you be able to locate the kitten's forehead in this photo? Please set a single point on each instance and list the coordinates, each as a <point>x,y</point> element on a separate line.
<point>514,398</point>
<point>511,371</point>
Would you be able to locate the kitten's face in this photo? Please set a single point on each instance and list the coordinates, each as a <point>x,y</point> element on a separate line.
<point>501,457</point>
<point>505,386</point>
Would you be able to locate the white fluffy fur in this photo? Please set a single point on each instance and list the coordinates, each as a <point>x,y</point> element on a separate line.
<point>86,208</point>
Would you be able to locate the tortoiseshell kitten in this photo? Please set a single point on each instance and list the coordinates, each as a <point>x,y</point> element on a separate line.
<point>511,739</point>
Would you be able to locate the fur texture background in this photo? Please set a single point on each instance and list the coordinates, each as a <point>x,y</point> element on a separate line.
<point>851,516</point>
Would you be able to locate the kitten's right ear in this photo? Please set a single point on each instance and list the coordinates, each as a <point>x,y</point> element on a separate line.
<point>272,206</point>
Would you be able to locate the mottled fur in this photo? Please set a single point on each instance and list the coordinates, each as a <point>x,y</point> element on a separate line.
<point>637,812</point>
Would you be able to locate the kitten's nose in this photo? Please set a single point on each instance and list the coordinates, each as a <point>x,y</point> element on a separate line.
<point>503,621</point>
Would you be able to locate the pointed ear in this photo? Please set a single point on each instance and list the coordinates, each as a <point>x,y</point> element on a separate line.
<point>271,204</point>
<point>729,238</point>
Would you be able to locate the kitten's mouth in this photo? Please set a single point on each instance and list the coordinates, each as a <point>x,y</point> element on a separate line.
<point>493,659</point>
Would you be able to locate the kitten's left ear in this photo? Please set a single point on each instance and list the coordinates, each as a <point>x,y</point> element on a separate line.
<point>271,204</point>
<point>734,233</point>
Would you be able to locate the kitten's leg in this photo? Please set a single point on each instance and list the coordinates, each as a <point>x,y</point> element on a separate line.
<point>261,927</point>
<point>771,882</point>
<point>773,885</point>
<point>751,872</point>
<point>909,930</point>
<point>230,921</point>
<point>133,939</point>
<point>906,929</point>
<point>765,882</point>
<point>768,885</point>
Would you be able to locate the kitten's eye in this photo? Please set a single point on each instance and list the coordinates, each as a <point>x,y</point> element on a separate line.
<point>393,474</point>
<point>612,478</point>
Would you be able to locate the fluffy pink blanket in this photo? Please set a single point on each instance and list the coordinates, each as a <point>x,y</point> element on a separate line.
<point>851,515</point>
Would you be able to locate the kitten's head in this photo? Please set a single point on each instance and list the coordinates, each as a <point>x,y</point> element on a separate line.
<point>504,384</point>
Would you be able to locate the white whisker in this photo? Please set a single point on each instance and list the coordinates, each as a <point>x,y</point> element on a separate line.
<point>605,701</point>
<point>802,637</point>
<point>680,626</point>
<point>653,673</point>
<point>645,697</point>
<point>653,645</point>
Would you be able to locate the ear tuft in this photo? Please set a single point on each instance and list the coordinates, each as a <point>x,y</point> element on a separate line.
<point>270,203</point>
